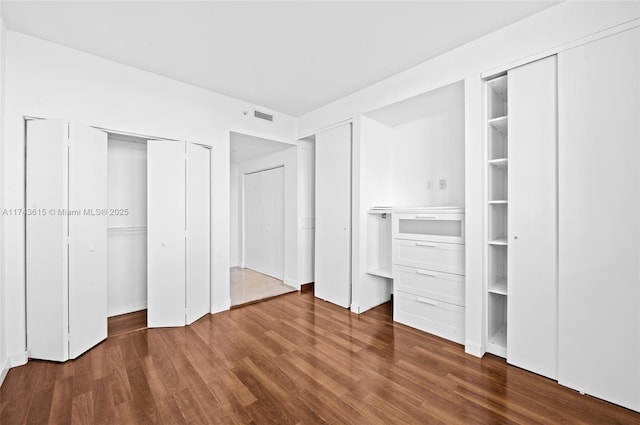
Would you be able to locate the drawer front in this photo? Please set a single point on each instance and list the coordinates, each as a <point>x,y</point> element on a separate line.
<point>436,256</point>
<point>429,227</point>
<point>442,319</point>
<point>439,286</point>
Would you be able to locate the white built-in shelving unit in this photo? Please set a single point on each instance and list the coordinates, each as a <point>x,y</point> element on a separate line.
<point>498,203</point>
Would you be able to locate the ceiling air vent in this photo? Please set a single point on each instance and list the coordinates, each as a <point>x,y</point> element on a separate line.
<point>262,115</point>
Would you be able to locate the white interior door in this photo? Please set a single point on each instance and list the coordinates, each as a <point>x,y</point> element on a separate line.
<point>599,210</point>
<point>46,240</point>
<point>532,304</point>
<point>333,216</point>
<point>264,222</point>
<point>87,238</point>
<point>198,280</point>
<point>166,250</point>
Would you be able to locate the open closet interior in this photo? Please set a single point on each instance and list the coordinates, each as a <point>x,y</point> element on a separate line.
<point>126,231</point>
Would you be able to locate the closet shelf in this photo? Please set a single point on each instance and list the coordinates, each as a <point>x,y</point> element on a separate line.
<point>127,229</point>
<point>498,241</point>
<point>499,202</point>
<point>500,124</point>
<point>382,272</point>
<point>499,162</point>
<point>498,341</point>
<point>499,287</point>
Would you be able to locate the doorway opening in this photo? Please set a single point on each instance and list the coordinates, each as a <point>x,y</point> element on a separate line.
<point>263,184</point>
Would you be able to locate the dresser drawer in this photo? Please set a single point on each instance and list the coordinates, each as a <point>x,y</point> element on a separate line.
<point>436,256</point>
<point>436,317</point>
<point>429,226</point>
<point>439,286</point>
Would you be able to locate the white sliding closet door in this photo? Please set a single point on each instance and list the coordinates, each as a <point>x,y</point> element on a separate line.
<point>87,238</point>
<point>264,222</point>
<point>599,218</point>
<point>198,281</point>
<point>532,304</point>
<point>333,216</point>
<point>46,240</point>
<point>166,250</point>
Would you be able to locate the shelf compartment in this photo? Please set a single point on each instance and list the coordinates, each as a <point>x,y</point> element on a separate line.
<point>498,223</point>
<point>501,124</point>
<point>498,189</point>
<point>497,325</point>
<point>499,287</point>
<point>498,98</point>
<point>379,243</point>
<point>497,265</point>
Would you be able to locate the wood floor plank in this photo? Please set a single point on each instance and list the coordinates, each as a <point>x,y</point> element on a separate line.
<point>291,360</point>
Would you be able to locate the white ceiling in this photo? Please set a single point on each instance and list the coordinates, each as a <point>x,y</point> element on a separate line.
<point>244,147</point>
<point>290,56</point>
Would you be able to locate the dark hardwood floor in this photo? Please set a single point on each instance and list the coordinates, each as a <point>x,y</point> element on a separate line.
<point>124,323</point>
<point>290,360</point>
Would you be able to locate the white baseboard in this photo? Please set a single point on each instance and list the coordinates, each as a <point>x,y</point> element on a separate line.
<point>473,349</point>
<point>5,369</point>
<point>292,283</point>
<point>19,359</point>
<point>224,306</point>
<point>124,309</point>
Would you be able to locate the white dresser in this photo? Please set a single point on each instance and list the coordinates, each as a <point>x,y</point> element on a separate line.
<point>428,270</point>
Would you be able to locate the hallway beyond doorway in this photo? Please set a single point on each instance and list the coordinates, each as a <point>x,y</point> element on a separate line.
<point>248,286</point>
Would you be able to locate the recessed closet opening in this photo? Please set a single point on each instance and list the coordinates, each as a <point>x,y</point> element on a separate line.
<point>412,198</point>
<point>116,224</point>
<point>127,231</point>
<point>263,217</point>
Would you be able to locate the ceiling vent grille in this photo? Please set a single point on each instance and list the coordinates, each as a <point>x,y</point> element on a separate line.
<point>262,115</point>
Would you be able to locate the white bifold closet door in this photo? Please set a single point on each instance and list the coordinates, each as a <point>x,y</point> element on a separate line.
<point>532,303</point>
<point>88,239</point>
<point>178,221</point>
<point>333,216</point>
<point>166,244</point>
<point>66,249</point>
<point>264,222</point>
<point>198,224</point>
<point>599,218</point>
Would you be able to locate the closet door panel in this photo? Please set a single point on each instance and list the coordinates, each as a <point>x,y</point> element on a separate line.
<point>166,264</point>
<point>532,301</point>
<point>333,216</point>
<point>253,221</point>
<point>46,240</point>
<point>264,222</point>
<point>198,281</point>
<point>599,229</point>
<point>87,238</point>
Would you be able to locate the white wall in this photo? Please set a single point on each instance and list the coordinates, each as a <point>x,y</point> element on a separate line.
<point>543,33</point>
<point>4,359</point>
<point>288,158</point>
<point>430,148</point>
<point>47,80</point>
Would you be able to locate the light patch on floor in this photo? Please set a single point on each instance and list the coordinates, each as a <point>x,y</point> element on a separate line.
<point>248,285</point>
